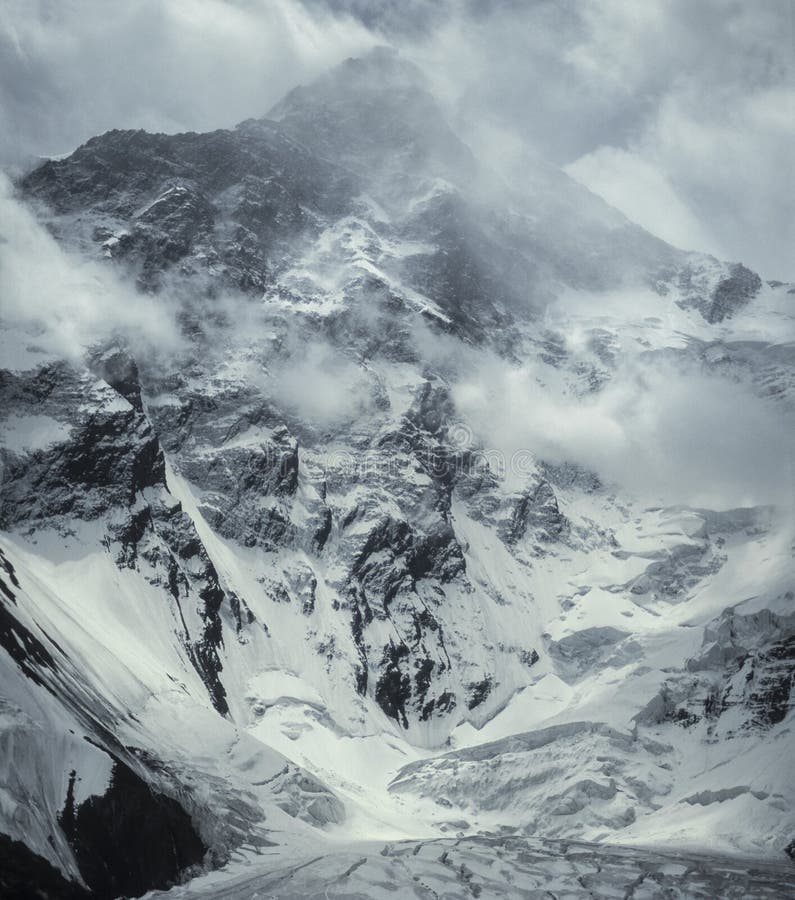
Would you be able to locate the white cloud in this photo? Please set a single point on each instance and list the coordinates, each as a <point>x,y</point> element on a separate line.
<point>643,193</point>
<point>69,302</point>
<point>320,385</point>
<point>70,70</point>
<point>667,432</point>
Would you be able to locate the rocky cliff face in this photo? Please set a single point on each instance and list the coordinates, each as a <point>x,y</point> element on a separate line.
<point>288,536</point>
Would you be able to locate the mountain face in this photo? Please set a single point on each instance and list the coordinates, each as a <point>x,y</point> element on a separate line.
<point>280,585</point>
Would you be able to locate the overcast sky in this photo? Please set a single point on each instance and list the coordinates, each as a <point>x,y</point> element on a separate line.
<point>679,112</point>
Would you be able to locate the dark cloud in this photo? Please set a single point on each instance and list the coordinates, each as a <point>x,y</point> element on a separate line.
<point>680,113</point>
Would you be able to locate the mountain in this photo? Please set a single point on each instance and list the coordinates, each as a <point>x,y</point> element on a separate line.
<point>288,581</point>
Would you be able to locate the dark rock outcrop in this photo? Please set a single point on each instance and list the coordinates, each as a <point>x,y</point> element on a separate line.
<point>732,293</point>
<point>131,839</point>
<point>25,876</point>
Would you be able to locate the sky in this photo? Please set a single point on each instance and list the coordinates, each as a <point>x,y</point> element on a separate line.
<point>680,113</point>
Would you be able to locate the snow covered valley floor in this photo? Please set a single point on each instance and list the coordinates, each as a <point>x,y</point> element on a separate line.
<point>513,868</point>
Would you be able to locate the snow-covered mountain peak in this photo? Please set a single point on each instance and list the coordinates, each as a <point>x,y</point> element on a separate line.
<point>382,500</point>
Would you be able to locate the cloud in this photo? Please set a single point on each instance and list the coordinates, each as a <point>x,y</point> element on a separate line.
<point>711,86</point>
<point>692,104</point>
<point>74,69</point>
<point>666,431</point>
<point>69,302</point>
<point>320,385</point>
<point>681,113</point>
<point>645,195</point>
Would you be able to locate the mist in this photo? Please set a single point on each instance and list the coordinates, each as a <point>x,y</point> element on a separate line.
<point>66,301</point>
<point>667,432</point>
<point>74,70</point>
<point>681,115</point>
